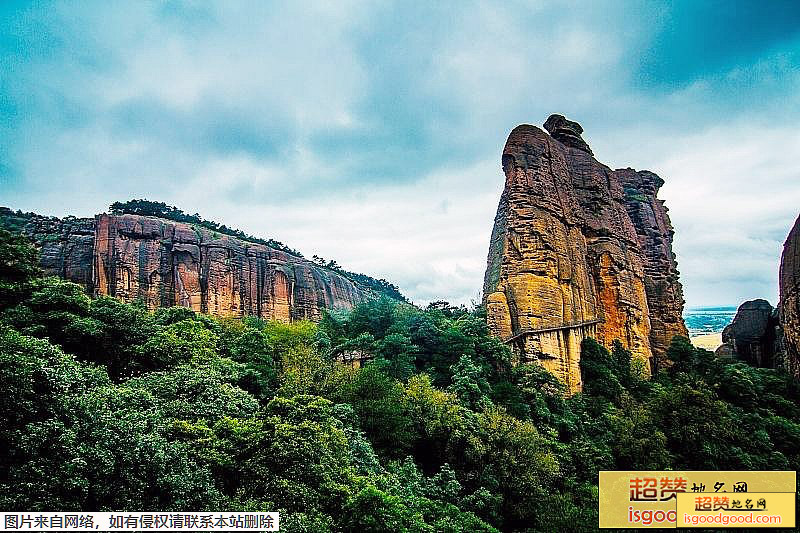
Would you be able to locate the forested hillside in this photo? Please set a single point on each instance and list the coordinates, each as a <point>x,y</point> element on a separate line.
<point>107,406</point>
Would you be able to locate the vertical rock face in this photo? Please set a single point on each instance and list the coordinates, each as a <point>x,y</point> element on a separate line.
<point>66,243</point>
<point>565,258</point>
<point>789,306</point>
<point>654,231</point>
<point>165,263</point>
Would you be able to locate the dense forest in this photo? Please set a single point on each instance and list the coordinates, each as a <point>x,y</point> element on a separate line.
<point>169,212</point>
<point>108,406</point>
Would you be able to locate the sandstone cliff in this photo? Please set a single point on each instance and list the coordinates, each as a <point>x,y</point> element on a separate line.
<point>789,306</point>
<point>654,231</point>
<point>166,263</point>
<point>566,260</point>
<point>66,244</point>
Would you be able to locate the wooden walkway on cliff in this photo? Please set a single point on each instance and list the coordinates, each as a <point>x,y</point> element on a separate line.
<point>548,329</point>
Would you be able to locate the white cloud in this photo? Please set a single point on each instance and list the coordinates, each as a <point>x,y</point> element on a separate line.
<point>457,81</point>
<point>401,233</point>
<point>733,192</point>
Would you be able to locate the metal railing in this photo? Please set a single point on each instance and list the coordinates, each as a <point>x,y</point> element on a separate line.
<point>564,325</point>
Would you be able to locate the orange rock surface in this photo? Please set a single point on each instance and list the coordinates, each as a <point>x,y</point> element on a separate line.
<point>166,263</point>
<point>565,259</point>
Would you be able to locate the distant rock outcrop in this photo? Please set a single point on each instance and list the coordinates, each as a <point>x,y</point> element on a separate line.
<point>769,337</point>
<point>165,263</point>
<point>567,260</point>
<point>789,306</point>
<point>751,335</point>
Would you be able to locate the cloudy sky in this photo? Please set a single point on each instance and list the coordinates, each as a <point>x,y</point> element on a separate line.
<point>371,132</point>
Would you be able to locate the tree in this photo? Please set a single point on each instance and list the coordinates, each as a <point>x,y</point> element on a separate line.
<point>180,342</point>
<point>19,265</point>
<point>300,458</point>
<point>74,441</point>
<point>469,385</point>
<point>249,346</point>
<point>36,376</point>
<point>372,316</point>
<point>192,393</point>
<point>120,330</point>
<point>396,355</point>
<point>374,511</point>
<point>380,404</point>
<point>598,372</point>
<point>513,455</point>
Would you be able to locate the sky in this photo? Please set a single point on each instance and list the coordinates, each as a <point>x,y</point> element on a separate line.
<point>371,132</point>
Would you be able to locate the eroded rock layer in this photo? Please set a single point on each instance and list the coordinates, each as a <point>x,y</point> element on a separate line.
<point>789,306</point>
<point>165,263</point>
<point>654,231</point>
<point>566,260</point>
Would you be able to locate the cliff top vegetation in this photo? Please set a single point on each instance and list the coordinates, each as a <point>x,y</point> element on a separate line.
<point>162,210</point>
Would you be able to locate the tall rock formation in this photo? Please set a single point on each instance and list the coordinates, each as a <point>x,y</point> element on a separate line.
<point>789,306</point>
<point>165,263</point>
<point>566,260</point>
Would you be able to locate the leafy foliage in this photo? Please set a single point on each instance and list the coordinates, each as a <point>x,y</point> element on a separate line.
<point>19,264</point>
<point>109,406</point>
